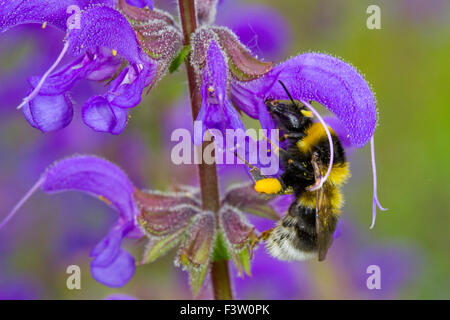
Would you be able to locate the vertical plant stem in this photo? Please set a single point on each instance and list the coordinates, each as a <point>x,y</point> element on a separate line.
<point>220,276</point>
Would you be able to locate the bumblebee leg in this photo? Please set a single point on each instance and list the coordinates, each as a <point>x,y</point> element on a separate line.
<point>255,240</point>
<point>275,148</point>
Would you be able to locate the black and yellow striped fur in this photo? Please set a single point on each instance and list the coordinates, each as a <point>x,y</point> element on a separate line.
<point>306,231</point>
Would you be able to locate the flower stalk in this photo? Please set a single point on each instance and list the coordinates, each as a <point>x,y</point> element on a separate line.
<point>207,172</point>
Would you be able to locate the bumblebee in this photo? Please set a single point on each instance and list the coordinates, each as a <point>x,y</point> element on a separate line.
<point>306,231</point>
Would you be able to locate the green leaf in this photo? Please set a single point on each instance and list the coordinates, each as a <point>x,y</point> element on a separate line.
<point>244,258</point>
<point>196,278</point>
<point>157,247</point>
<point>179,58</point>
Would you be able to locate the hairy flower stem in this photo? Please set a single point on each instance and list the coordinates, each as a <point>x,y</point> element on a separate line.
<point>208,174</point>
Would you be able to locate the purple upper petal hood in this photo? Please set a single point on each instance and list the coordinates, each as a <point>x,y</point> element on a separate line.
<point>112,265</point>
<point>95,176</point>
<point>54,12</point>
<point>321,78</point>
<point>104,26</point>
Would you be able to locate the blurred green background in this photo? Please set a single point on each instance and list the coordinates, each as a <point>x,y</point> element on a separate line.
<point>407,63</point>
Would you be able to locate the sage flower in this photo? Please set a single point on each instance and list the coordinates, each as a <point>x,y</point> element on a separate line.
<point>217,112</point>
<point>107,48</point>
<point>111,265</point>
<point>168,219</point>
<point>129,46</point>
<point>310,77</point>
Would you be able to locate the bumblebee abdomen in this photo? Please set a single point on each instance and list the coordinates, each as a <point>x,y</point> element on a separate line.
<point>295,236</point>
<point>285,244</point>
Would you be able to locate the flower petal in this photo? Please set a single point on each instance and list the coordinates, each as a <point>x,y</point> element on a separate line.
<point>105,65</point>
<point>216,112</point>
<point>215,73</point>
<point>104,26</point>
<point>95,176</point>
<point>117,273</point>
<point>324,79</point>
<point>99,114</point>
<point>49,113</point>
<point>97,65</point>
<point>54,12</point>
<point>126,90</point>
<point>107,250</point>
<point>340,130</point>
<point>60,81</point>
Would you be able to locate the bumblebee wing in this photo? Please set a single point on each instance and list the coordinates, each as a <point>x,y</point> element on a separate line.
<point>325,224</point>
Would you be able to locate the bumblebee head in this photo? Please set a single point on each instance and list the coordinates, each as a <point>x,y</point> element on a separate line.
<point>289,115</point>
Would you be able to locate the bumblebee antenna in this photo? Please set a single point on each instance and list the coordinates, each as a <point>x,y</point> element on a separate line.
<point>287,92</point>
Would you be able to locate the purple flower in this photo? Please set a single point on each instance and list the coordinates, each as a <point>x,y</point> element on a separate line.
<point>317,77</point>
<point>111,265</point>
<point>327,80</point>
<point>107,47</point>
<point>129,47</point>
<point>308,77</point>
<point>216,112</point>
<point>54,12</point>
